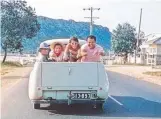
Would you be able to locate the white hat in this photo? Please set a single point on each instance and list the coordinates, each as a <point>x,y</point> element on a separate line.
<point>44,45</point>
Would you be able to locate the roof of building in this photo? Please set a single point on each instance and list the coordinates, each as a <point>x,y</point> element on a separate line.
<point>151,39</point>
<point>156,40</point>
<point>152,36</point>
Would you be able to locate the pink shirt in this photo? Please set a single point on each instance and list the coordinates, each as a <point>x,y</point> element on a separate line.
<point>91,53</point>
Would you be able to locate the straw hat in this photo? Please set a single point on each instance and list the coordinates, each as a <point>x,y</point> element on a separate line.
<point>52,46</point>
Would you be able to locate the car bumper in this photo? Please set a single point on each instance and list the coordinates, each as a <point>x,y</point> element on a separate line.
<point>67,101</point>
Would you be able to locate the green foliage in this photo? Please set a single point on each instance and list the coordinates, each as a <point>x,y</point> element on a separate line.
<point>124,39</point>
<point>18,21</point>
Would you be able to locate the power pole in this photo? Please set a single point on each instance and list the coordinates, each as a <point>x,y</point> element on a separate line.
<point>137,43</point>
<point>91,17</point>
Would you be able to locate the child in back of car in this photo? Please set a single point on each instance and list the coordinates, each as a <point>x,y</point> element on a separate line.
<point>56,53</point>
<point>71,50</point>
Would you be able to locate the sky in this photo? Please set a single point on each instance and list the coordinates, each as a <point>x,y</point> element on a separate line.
<point>111,13</point>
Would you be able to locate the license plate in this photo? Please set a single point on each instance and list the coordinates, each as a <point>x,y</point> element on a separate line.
<point>81,95</point>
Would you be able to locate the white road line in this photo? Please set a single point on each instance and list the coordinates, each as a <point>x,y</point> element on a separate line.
<point>115,100</point>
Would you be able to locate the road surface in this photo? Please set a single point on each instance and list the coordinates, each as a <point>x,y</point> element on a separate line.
<point>128,98</point>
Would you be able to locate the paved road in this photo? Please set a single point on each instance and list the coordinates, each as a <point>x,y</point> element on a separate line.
<point>129,98</point>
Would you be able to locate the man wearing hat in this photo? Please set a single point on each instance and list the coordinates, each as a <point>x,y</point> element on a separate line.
<point>43,52</point>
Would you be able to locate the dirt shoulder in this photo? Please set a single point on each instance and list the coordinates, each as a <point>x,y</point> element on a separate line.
<point>5,70</point>
<point>9,66</point>
<point>137,72</point>
<point>13,76</point>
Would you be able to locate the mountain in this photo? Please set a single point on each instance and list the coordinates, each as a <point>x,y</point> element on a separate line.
<point>59,28</point>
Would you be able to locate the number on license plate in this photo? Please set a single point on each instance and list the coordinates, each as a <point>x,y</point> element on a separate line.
<point>82,95</point>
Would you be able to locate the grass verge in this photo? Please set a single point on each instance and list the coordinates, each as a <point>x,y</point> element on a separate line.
<point>7,66</point>
<point>132,64</point>
<point>153,73</point>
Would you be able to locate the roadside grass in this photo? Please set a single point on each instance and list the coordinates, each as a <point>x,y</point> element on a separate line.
<point>7,66</point>
<point>11,64</point>
<point>153,73</point>
<point>131,64</point>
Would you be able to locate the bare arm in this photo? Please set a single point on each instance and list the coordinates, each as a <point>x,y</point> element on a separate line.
<point>102,53</point>
<point>83,52</point>
<point>73,52</point>
<point>67,48</point>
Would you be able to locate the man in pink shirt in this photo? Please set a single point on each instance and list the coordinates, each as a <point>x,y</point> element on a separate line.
<point>90,51</point>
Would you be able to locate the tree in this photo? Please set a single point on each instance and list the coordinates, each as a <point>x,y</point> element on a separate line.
<point>18,22</point>
<point>124,39</point>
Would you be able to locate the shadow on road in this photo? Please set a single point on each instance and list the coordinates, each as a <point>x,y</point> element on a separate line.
<point>134,107</point>
<point>74,109</point>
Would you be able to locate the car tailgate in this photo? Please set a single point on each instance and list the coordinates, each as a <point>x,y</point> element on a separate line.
<point>63,74</point>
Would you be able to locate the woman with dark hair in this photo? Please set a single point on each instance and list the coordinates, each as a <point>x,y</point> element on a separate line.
<point>71,50</point>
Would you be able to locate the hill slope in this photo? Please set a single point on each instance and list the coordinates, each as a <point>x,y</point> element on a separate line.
<point>59,28</point>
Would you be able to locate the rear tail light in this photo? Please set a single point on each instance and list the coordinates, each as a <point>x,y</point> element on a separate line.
<point>38,88</point>
<point>93,94</point>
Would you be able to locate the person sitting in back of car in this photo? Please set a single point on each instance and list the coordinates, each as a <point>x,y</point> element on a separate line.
<point>91,52</point>
<point>71,50</point>
<point>43,52</point>
<point>56,53</point>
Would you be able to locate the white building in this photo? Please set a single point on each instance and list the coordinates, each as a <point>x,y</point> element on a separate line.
<point>151,50</point>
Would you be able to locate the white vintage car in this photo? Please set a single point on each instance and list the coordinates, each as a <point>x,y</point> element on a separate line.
<point>68,82</point>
